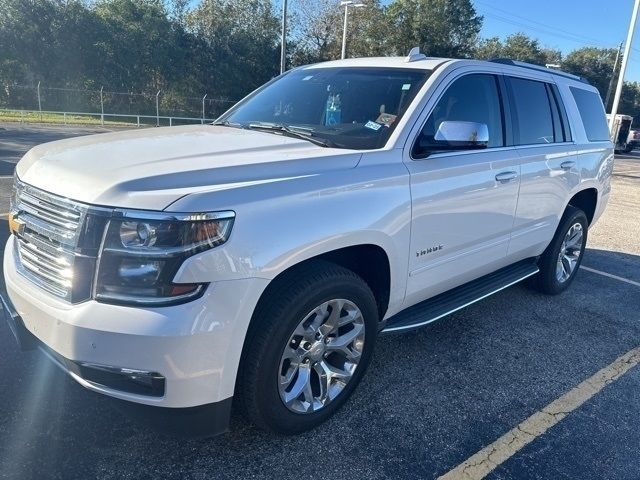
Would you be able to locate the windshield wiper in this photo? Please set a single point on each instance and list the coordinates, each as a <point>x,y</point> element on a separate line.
<point>302,133</point>
<point>227,123</point>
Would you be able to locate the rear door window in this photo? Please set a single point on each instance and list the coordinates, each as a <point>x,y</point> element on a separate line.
<point>592,113</point>
<point>533,115</point>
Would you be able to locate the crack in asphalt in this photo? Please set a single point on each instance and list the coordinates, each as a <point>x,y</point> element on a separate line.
<point>489,458</point>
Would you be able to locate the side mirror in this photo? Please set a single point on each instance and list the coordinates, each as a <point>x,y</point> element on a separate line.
<point>461,135</point>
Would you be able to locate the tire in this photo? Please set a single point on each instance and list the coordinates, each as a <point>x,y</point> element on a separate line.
<point>286,308</point>
<point>549,280</point>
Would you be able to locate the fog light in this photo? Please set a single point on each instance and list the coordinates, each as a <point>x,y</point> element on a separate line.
<point>140,382</point>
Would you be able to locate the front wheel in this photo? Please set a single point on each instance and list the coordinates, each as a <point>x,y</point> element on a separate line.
<point>309,345</point>
<point>560,261</point>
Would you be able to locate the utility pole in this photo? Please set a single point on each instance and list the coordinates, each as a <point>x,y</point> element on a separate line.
<point>623,67</point>
<point>613,76</point>
<point>347,4</point>
<point>283,45</point>
<point>203,99</point>
<point>101,106</point>
<point>158,107</point>
<point>344,30</point>
<point>39,102</point>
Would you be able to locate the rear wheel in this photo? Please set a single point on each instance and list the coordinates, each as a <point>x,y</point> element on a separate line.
<point>310,342</point>
<point>560,261</point>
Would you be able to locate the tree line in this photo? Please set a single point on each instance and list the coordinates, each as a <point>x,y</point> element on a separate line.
<point>229,47</point>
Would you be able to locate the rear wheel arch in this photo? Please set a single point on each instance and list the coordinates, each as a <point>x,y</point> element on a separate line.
<point>587,201</point>
<point>573,225</point>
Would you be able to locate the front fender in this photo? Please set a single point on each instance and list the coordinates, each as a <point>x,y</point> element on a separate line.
<point>281,224</point>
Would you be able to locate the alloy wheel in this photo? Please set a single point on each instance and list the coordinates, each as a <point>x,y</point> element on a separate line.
<point>321,356</point>
<point>570,251</point>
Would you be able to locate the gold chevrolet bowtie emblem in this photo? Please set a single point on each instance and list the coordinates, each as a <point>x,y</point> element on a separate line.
<point>16,226</point>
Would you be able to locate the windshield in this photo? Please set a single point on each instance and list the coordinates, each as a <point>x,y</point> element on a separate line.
<point>355,108</point>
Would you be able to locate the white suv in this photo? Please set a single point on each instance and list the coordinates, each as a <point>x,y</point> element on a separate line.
<point>258,258</point>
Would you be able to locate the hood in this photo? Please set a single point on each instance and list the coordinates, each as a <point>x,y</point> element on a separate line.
<point>154,167</point>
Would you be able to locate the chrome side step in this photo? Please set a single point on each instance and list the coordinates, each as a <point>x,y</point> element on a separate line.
<point>448,302</point>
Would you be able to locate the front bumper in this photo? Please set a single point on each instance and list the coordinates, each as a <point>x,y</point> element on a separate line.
<point>193,349</point>
<point>204,420</point>
<point>125,380</point>
<point>25,339</point>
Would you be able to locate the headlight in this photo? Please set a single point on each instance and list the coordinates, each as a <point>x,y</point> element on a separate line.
<point>141,256</point>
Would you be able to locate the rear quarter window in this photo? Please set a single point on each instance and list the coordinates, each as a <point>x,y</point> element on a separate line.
<point>592,114</point>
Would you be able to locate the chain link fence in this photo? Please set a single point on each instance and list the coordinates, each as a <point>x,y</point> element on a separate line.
<point>66,104</point>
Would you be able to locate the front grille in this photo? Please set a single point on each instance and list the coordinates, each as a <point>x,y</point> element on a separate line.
<point>52,272</point>
<point>50,219</point>
<point>49,241</point>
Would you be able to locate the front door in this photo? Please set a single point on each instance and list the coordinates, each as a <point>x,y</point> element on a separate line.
<point>463,201</point>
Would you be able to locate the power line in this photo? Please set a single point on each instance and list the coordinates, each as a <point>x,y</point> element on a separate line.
<point>544,31</point>
<point>547,32</point>
<point>549,29</point>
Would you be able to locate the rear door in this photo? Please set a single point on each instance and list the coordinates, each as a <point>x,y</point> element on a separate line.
<point>463,201</point>
<point>548,166</point>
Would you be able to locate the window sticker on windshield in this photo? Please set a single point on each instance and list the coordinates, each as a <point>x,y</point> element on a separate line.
<point>406,86</point>
<point>308,77</point>
<point>386,119</point>
<point>373,125</point>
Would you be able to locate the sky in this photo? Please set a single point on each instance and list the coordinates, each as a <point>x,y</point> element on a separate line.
<point>564,24</point>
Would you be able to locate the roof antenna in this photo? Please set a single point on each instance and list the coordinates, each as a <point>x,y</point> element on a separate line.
<point>415,55</point>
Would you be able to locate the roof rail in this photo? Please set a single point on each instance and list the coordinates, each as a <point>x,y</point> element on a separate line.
<point>539,68</point>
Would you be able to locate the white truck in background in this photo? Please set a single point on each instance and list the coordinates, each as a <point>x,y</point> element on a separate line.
<point>620,132</point>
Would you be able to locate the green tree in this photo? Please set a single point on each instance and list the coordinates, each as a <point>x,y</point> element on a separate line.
<point>136,45</point>
<point>318,24</point>
<point>489,48</point>
<point>242,43</point>
<point>441,28</point>
<point>630,101</point>
<point>368,32</point>
<point>595,65</point>
<point>314,31</point>
<point>517,47</point>
<point>45,39</point>
<point>222,47</point>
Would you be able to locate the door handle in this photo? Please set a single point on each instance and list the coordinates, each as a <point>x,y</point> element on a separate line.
<point>568,165</point>
<point>505,177</point>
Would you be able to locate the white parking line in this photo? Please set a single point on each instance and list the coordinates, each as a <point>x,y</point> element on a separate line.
<point>486,460</point>
<point>610,275</point>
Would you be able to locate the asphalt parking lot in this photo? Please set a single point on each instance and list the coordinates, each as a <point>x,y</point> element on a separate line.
<point>430,401</point>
